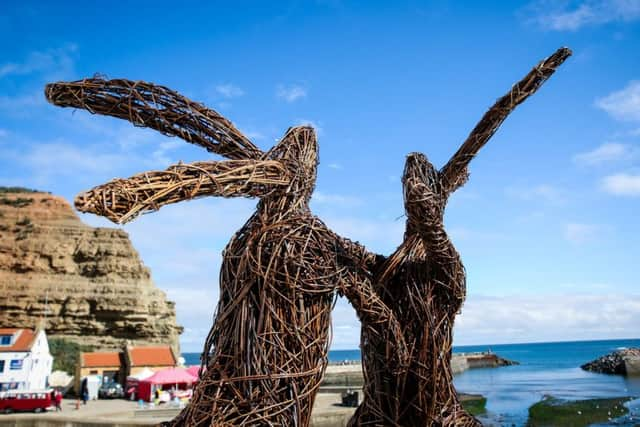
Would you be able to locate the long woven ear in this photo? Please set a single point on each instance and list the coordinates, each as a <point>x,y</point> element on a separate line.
<point>121,200</point>
<point>156,107</point>
<point>454,173</point>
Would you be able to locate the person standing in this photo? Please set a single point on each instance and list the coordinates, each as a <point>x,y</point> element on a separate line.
<point>58,400</point>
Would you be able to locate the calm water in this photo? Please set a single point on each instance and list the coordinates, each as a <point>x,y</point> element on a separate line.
<point>545,369</point>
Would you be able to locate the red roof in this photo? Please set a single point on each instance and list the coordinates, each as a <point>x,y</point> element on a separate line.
<point>152,356</point>
<point>22,342</point>
<point>100,360</point>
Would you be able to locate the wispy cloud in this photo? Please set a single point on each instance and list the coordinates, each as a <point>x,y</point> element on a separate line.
<point>572,15</point>
<point>582,233</point>
<point>605,153</point>
<point>544,192</point>
<point>622,184</point>
<point>560,317</point>
<point>336,199</point>
<point>336,166</point>
<point>229,90</point>
<point>22,103</point>
<point>623,104</point>
<point>59,60</point>
<point>291,93</point>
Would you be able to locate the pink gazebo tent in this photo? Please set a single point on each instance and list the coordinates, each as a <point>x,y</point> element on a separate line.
<point>193,370</point>
<point>178,377</point>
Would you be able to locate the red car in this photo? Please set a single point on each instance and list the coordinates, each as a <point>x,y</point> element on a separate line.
<point>25,401</point>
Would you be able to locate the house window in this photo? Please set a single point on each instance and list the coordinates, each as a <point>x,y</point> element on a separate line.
<point>5,339</point>
<point>1,366</point>
<point>16,364</point>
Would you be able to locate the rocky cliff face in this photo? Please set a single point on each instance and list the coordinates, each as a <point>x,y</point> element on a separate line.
<point>89,283</point>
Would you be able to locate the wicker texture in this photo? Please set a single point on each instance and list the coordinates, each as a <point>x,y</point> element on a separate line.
<point>423,282</point>
<point>267,350</point>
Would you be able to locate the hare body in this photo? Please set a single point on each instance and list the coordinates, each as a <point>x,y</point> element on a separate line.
<point>423,282</point>
<point>268,346</point>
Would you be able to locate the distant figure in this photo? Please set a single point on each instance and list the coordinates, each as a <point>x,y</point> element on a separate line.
<point>58,400</point>
<point>84,391</point>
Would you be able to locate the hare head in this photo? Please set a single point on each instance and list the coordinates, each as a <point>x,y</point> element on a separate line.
<point>286,172</point>
<point>426,189</point>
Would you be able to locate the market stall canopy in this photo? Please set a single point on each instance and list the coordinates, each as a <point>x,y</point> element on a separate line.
<point>171,376</point>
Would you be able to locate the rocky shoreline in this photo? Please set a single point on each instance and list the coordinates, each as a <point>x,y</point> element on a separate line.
<point>621,362</point>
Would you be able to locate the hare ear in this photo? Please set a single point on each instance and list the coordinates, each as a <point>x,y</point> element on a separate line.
<point>157,107</point>
<point>454,173</point>
<point>121,200</point>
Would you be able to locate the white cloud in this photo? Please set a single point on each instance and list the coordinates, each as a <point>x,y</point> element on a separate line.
<point>59,60</point>
<point>291,93</point>
<point>571,16</point>
<point>18,104</point>
<point>581,233</point>
<point>336,166</point>
<point>160,154</point>
<point>607,152</point>
<point>543,317</point>
<point>543,192</point>
<point>229,90</point>
<point>622,184</point>
<point>335,199</point>
<point>624,104</point>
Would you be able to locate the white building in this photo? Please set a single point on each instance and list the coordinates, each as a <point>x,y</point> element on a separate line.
<point>25,360</point>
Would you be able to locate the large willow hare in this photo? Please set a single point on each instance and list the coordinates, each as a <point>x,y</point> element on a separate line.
<point>267,350</point>
<point>423,282</point>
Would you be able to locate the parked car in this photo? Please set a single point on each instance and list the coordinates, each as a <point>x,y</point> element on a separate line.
<point>111,390</point>
<point>25,401</point>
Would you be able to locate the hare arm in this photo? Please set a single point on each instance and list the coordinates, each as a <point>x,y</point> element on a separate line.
<point>157,107</point>
<point>121,200</point>
<point>455,173</point>
<point>357,264</point>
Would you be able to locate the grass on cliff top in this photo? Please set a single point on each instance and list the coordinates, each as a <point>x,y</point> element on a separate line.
<point>579,413</point>
<point>9,190</point>
<point>66,354</point>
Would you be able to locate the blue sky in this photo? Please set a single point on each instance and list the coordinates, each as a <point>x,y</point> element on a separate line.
<point>546,225</point>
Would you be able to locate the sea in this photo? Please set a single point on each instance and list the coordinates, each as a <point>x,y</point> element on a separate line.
<point>545,369</point>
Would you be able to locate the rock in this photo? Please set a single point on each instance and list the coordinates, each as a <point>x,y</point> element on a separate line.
<point>88,283</point>
<point>621,362</point>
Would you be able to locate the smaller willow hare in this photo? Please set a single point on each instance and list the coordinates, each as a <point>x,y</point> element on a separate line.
<point>424,283</point>
<point>267,350</point>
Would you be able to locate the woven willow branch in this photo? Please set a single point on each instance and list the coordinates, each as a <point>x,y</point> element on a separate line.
<point>121,200</point>
<point>454,173</point>
<point>157,107</point>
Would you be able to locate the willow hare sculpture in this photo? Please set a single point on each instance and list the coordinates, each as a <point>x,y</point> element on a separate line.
<point>267,350</point>
<point>424,282</point>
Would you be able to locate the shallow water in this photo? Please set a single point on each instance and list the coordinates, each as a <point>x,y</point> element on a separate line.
<point>545,369</point>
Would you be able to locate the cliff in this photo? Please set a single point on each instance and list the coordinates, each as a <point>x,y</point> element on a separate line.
<point>88,283</point>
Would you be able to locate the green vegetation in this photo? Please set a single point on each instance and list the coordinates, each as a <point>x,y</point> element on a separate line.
<point>580,413</point>
<point>8,190</point>
<point>24,222</point>
<point>19,202</point>
<point>474,404</point>
<point>66,354</point>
